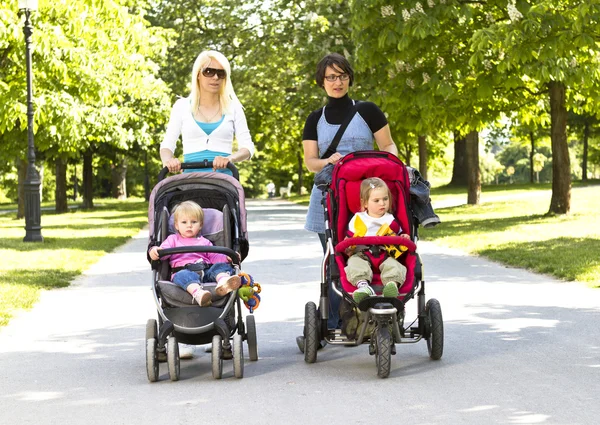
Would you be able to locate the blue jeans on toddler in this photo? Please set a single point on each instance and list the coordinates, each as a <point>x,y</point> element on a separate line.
<point>185,277</point>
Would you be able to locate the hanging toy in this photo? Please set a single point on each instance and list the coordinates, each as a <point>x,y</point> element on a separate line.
<point>249,291</point>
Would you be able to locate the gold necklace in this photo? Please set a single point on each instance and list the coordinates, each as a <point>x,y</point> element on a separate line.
<point>211,118</point>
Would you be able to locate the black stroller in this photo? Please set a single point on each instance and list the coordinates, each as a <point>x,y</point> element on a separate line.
<point>179,318</point>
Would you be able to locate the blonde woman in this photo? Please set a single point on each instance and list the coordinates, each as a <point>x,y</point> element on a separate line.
<point>208,119</point>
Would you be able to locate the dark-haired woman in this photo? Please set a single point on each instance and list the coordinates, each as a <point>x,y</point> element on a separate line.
<point>335,75</point>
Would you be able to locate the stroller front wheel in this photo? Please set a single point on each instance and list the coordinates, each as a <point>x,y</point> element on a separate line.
<point>435,339</point>
<point>217,357</point>
<point>151,360</point>
<point>383,351</point>
<point>238,356</point>
<point>173,358</point>
<point>311,332</point>
<point>251,335</point>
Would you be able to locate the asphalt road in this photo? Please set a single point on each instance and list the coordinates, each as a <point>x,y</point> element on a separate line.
<point>520,348</point>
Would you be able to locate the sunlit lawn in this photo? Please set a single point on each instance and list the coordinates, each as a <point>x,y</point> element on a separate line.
<point>72,242</point>
<point>512,227</point>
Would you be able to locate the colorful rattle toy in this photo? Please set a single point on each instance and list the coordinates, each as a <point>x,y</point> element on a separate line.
<point>249,291</point>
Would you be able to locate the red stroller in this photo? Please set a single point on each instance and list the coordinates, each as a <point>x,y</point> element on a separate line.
<point>378,321</point>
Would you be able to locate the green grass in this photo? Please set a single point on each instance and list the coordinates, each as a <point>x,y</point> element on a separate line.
<point>512,227</point>
<point>72,242</point>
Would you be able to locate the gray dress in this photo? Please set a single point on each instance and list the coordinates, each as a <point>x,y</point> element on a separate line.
<point>357,137</point>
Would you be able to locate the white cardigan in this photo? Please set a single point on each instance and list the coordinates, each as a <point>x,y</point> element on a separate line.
<point>194,139</point>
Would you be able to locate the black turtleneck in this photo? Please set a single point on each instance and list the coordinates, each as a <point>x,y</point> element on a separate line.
<point>337,109</point>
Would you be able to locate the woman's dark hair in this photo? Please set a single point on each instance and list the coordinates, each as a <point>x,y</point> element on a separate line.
<point>332,59</point>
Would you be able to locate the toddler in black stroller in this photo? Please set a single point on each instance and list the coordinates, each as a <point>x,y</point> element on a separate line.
<point>209,309</point>
<point>367,317</point>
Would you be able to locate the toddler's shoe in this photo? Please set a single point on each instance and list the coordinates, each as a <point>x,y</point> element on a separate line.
<point>202,297</point>
<point>227,283</point>
<point>362,292</point>
<point>390,290</point>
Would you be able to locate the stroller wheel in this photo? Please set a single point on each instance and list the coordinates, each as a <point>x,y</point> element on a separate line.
<point>151,330</point>
<point>383,351</point>
<point>216,357</point>
<point>173,358</point>
<point>251,335</point>
<point>300,343</point>
<point>435,340</point>
<point>238,356</point>
<point>151,360</point>
<point>311,332</point>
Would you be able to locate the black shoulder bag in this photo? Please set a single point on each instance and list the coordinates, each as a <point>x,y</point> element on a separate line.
<point>323,177</point>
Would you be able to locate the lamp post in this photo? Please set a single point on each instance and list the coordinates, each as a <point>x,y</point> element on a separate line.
<point>33,228</point>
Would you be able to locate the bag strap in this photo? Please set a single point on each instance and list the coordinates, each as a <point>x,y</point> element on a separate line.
<point>338,136</point>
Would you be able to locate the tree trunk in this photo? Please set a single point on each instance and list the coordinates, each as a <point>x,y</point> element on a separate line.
<point>407,154</point>
<point>561,165</point>
<point>459,170</point>
<point>473,172</point>
<point>75,183</point>
<point>300,173</point>
<point>119,178</point>
<point>423,156</point>
<point>531,153</point>
<point>88,180</point>
<point>21,176</point>
<point>60,191</point>
<point>584,160</point>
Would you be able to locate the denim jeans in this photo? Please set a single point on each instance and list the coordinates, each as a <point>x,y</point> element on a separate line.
<point>185,278</point>
<point>333,321</point>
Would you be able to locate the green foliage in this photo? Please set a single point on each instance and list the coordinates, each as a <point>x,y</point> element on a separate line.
<point>94,77</point>
<point>106,74</point>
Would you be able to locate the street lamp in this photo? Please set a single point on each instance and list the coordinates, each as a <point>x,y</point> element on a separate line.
<point>33,228</point>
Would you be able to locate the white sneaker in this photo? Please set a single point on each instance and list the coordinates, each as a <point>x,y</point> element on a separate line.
<point>226,284</point>
<point>186,351</point>
<point>202,297</point>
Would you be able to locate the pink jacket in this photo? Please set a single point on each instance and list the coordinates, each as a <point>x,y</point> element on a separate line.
<point>180,260</point>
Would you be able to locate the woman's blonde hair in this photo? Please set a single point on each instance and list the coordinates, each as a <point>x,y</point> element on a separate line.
<point>367,186</point>
<point>226,94</point>
<point>190,209</point>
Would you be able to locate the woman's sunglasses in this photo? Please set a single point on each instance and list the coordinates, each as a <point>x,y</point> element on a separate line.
<point>211,72</point>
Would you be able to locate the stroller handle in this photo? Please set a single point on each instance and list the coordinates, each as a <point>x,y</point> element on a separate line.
<point>376,240</point>
<point>202,164</point>
<point>218,249</point>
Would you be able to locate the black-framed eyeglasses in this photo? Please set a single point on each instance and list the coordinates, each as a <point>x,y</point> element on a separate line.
<point>331,78</point>
<point>211,72</point>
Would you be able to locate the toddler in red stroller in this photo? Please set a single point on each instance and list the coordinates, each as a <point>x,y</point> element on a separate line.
<point>366,316</point>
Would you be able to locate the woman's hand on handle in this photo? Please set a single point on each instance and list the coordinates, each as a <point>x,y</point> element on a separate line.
<point>334,158</point>
<point>220,162</point>
<point>169,161</point>
<point>174,165</point>
<point>311,157</point>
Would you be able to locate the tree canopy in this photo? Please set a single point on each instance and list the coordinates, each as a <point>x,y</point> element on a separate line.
<point>106,74</point>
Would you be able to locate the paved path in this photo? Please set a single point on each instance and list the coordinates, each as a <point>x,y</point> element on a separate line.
<point>520,348</point>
